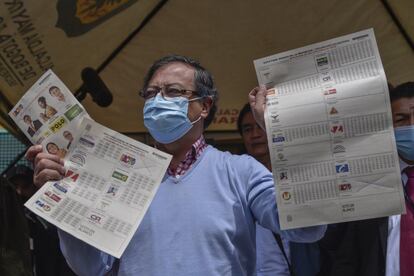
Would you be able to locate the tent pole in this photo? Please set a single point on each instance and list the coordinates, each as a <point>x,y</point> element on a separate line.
<point>398,23</point>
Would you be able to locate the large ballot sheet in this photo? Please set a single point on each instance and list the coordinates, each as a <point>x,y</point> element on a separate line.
<point>110,178</point>
<point>330,133</point>
<point>109,184</point>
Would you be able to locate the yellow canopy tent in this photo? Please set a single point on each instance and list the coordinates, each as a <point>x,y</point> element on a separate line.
<point>122,38</point>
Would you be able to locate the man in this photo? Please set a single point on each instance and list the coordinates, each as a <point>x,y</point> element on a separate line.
<point>254,137</point>
<point>54,91</point>
<point>15,257</point>
<point>33,126</point>
<point>18,109</point>
<point>385,246</point>
<point>68,136</point>
<point>271,260</point>
<point>270,257</point>
<point>202,218</point>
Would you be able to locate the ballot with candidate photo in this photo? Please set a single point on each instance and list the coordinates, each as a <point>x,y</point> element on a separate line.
<point>110,178</point>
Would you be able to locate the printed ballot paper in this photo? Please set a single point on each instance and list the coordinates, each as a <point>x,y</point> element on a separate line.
<point>110,179</point>
<point>330,133</point>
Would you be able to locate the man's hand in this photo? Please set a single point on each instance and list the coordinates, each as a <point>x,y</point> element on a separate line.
<point>46,166</point>
<point>257,100</point>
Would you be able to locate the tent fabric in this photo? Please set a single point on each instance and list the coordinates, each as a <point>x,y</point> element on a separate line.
<point>403,9</point>
<point>225,36</point>
<point>64,35</point>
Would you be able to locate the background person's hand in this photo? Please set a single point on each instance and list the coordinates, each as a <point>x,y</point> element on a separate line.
<point>46,166</point>
<point>257,100</point>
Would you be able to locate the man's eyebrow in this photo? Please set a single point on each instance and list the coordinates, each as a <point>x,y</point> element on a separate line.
<point>401,113</point>
<point>167,84</point>
<point>246,125</point>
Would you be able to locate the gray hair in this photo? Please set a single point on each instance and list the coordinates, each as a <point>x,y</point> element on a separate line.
<point>203,80</point>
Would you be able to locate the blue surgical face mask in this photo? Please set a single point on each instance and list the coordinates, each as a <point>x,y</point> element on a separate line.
<point>405,141</point>
<point>167,120</point>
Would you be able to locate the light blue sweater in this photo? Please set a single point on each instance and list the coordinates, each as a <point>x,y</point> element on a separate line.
<point>200,224</point>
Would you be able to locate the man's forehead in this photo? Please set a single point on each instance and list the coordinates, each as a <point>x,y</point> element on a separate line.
<point>403,104</point>
<point>176,70</point>
<point>248,118</point>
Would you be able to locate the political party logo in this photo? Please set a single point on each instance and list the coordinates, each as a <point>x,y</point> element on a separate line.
<point>349,207</point>
<point>112,190</point>
<point>78,158</point>
<point>337,129</point>
<point>120,176</point>
<point>322,61</point>
<point>53,196</point>
<point>128,160</point>
<point>286,195</point>
<point>78,17</point>
<point>72,175</point>
<point>278,139</point>
<point>86,142</point>
<point>95,218</point>
<point>338,149</point>
<point>57,124</point>
<point>43,205</point>
<point>275,118</point>
<point>73,112</point>
<point>326,78</point>
<point>345,187</point>
<point>60,188</point>
<point>283,176</point>
<point>329,92</point>
<point>271,92</point>
<point>333,111</point>
<point>342,168</point>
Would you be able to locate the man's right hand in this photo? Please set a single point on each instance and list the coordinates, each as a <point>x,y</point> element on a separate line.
<point>257,100</point>
<point>47,166</point>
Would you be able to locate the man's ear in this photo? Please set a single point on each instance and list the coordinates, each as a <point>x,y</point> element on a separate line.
<point>206,107</point>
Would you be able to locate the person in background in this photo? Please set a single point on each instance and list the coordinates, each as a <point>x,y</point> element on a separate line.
<point>274,257</point>
<point>202,220</point>
<point>46,257</point>
<point>385,246</point>
<point>15,255</point>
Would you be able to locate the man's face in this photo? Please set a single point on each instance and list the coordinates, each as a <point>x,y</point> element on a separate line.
<point>403,112</point>
<point>18,109</point>
<point>68,136</point>
<point>27,120</point>
<point>254,138</point>
<point>55,92</point>
<point>24,187</point>
<point>181,75</point>
<point>52,149</point>
<point>42,104</point>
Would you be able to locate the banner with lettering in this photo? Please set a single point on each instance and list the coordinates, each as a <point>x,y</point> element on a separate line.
<point>64,35</point>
